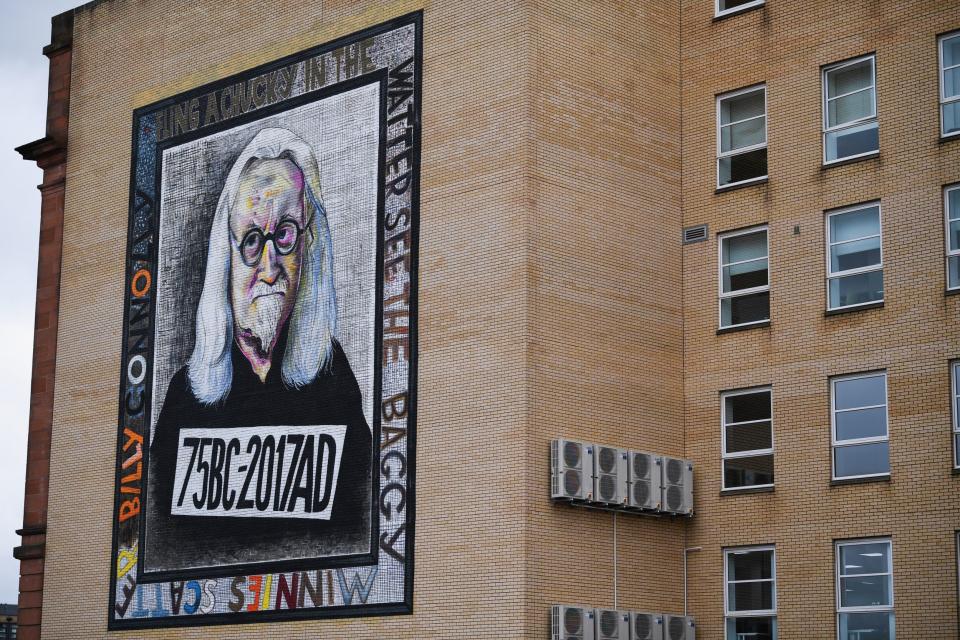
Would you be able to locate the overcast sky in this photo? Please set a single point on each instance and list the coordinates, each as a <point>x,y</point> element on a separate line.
<point>24,31</point>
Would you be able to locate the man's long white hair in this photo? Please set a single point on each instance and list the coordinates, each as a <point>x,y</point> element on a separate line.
<point>314,317</point>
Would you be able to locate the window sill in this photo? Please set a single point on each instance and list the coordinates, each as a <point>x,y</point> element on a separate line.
<point>744,327</point>
<point>952,292</point>
<point>748,490</point>
<point>949,137</point>
<point>845,481</point>
<point>840,163</point>
<point>955,471</point>
<point>860,307</point>
<point>737,12</point>
<point>742,185</point>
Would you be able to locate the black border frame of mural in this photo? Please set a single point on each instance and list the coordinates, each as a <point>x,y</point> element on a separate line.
<point>344,611</point>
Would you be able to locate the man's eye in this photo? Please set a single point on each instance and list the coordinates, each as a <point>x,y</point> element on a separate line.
<point>250,241</point>
<point>285,233</point>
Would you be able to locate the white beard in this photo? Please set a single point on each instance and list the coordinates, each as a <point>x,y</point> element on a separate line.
<point>266,321</point>
<point>267,309</point>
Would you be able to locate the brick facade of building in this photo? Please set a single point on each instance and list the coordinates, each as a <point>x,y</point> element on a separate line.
<point>565,147</point>
<point>913,337</point>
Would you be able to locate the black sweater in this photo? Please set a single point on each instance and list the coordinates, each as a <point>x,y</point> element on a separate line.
<point>177,541</point>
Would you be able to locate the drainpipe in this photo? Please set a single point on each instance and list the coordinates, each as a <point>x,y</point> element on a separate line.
<point>685,552</point>
<point>614,559</point>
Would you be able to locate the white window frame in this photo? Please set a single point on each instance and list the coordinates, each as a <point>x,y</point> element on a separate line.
<point>947,190</point>
<point>872,57</point>
<point>944,100</point>
<point>721,295</point>
<point>757,613</point>
<point>741,150</point>
<point>835,444</point>
<point>837,575</point>
<point>954,398</point>
<point>831,275</point>
<point>718,12</point>
<point>724,456</point>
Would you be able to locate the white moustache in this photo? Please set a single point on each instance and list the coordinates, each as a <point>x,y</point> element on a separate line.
<point>264,289</point>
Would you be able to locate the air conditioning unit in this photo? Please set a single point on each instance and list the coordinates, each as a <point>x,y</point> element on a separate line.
<point>571,465</point>
<point>677,486</point>
<point>645,482</point>
<point>612,624</point>
<point>646,626</point>
<point>679,628</point>
<point>610,475</point>
<point>571,622</point>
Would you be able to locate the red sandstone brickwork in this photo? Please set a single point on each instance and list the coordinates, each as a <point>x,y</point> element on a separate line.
<point>50,155</point>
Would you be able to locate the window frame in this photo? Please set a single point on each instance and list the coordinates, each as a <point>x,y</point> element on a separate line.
<point>760,86</point>
<point>950,253</point>
<point>825,105</point>
<point>837,575</point>
<point>721,296</point>
<point>954,399</point>
<point>944,100</point>
<point>835,444</point>
<point>859,270</point>
<point>724,456</point>
<point>754,613</point>
<point>720,13</point>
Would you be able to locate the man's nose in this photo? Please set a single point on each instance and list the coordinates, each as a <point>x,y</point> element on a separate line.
<point>269,266</point>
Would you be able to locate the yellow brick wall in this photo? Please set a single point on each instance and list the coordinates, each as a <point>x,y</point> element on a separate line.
<point>470,524</point>
<point>525,334</point>
<point>604,272</point>
<point>912,337</point>
<point>556,299</point>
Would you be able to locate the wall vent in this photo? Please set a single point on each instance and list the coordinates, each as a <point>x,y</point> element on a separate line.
<point>698,233</point>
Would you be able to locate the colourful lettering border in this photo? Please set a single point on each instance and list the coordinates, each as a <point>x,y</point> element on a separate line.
<point>383,584</point>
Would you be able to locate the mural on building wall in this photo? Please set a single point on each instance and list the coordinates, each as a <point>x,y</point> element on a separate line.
<point>265,442</point>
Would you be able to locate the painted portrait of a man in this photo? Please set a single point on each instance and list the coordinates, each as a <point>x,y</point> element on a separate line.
<point>261,449</point>
<point>267,405</point>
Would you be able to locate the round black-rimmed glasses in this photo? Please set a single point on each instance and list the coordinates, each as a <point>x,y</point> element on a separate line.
<point>285,238</point>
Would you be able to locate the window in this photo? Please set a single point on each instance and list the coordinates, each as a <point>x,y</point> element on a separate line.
<point>742,136</point>
<point>955,377</point>
<point>747,438</point>
<point>750,600</point>
<point>864,590</point>
<point>951,206</point>
<point>859,420</point>
<point>950,84</point>
<point>854,260</point>
<point>744,281</point>
<point>726,7</point>
<point>850,110</point>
